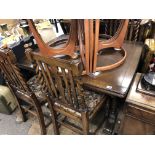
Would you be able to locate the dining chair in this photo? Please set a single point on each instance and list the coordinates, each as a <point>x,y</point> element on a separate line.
<point>27,91</point>
<point>137,30</point>
<point>68,101</point>
<point>67,45</point>
<point>91,43</point>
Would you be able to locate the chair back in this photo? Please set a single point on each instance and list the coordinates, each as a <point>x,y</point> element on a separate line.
<point>136,32</point>
<point>69,47</point>
<point>11,72</point>
<point>59,79</point>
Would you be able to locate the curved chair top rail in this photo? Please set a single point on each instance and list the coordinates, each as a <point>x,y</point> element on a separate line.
<point>68,49</point>
<point>117,40</point>
<point>93,44</point>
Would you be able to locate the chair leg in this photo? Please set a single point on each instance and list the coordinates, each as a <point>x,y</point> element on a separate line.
<point>54,119</point>
<point>85,123</point>
<point>41,121</point>
<point>21,110</point>
<point>40,115</point>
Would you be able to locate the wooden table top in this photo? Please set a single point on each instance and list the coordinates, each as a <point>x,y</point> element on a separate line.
<point>115,82</point>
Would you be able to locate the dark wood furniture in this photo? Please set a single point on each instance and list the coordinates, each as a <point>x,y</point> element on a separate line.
<point>139,112</point>
<point>138,30</point>
<point>134,30</point>
<point>114,83</point>
<point>24,91</point>
<point>61,84</point>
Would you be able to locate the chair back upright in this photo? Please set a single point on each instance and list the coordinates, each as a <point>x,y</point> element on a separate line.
<point>11,72</point>
<point>59,79</point>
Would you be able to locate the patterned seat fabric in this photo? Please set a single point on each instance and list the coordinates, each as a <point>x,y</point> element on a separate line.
<point>92,99</point>
<point>35,87</point>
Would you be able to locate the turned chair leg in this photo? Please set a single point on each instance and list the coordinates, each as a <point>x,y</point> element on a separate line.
<point>21,110</point>
<point>41,120</point>
<point>40,115</point>
<point>55,124</point>
<point>54,119</point>
<point>85,123</point>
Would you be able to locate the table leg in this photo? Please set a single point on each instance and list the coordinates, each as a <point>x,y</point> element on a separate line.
<point>113,111</point>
